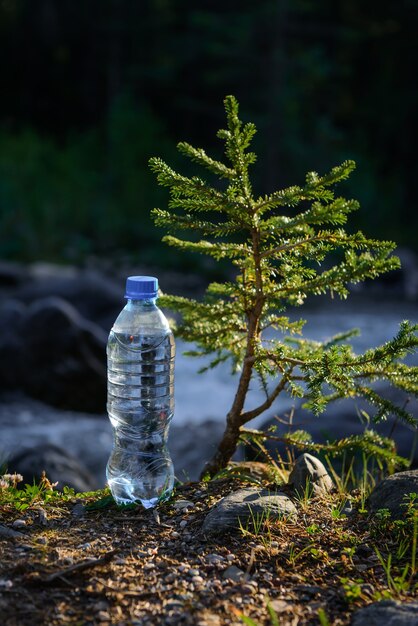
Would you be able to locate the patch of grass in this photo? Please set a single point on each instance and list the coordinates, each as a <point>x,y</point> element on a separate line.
<point>398,546</point>
<point>44,493</point>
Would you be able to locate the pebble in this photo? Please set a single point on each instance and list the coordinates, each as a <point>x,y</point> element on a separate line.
<point>234,573</point>
<point>230,557</point>
<point>149,566</point>
<point>183,504</point>
<point>183,523</point>
<point>19,523</point>
<point>85,546</point>
<point>197,580</point>
<point>183,568</point>
<point>175,534</point>
<point>5,584</point>
<point>170,578</point>
<point>214,558</point>
<point>103,616</point>
<point>347,508</point>
<point>193,572</point>
<point>78,510</point>
<point>280,606</point>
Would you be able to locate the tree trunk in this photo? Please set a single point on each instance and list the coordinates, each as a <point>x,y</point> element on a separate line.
<point>225,451</point>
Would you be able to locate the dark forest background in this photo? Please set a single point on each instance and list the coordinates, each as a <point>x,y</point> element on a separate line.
<point>91,89</point>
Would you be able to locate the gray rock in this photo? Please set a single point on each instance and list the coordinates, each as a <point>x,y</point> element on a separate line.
<point>55,355</point>
<point>246,507</point>
<point>309,473</point>
<point>387,613</point>
<point>59,466</point>
<point>64,356</point>
<point>392,491</point>
<point>95,295</point>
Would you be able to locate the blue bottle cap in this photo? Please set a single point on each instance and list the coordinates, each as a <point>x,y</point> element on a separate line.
<point>141,287</point>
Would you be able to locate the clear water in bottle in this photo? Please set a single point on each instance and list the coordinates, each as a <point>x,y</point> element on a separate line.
<point>140,357</point>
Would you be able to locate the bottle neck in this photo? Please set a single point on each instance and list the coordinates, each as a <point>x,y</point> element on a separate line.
<point>141,304</point>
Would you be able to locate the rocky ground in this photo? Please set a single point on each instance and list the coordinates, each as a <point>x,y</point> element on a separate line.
<point>85,562</point>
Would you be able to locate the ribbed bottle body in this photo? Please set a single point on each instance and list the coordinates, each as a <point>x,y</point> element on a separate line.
<point>140,404</point>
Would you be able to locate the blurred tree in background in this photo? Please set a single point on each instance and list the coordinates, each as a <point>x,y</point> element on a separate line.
<point>91,90</point>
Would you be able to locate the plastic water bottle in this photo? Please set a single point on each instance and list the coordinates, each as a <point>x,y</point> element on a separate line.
<point>140,402</point>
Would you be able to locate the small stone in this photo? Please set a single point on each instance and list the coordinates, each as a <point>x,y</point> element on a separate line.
<point>175,534</point>
<point>183,568</point>
<point>78,510</point>
<point>149,566</point>
<point>197,580</point>
<point>170,578</point>
<point>234,573</point>
<point>19,523</point>
<point>85,546</point>
<point>230,557</point>
<point>183,504</point>
<point>309,474</point>
<point>347,508</point>
<point>5,583</point>
<point>193,572</point>
<point>103,616</point>
<point>67,561</point>
<point>183,523</point>
<point>280,606</point>
<point>214,558</point>
<point>42,540</point>
<point>248,589</point>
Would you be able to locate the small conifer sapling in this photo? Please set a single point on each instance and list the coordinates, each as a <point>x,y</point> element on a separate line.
<point>278,244</point>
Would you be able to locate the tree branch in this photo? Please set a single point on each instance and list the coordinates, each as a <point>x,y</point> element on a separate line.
<point>249,415</point>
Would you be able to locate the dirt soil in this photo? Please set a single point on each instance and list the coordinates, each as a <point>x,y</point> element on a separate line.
<point>131,567</point>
